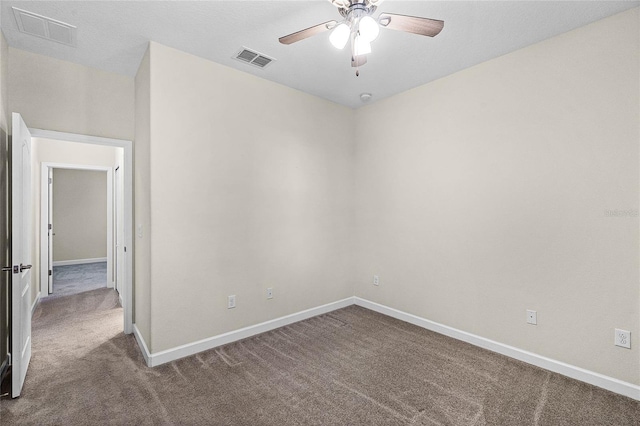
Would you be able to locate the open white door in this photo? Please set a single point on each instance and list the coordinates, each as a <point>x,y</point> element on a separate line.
<point>20,253</point>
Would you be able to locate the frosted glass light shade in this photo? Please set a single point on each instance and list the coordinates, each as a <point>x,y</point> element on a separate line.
<point>362,46</point>
<point>340,36</point>
<point>369,28</point>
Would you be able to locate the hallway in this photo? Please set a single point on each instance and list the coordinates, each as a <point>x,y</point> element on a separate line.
<point>74,336</point>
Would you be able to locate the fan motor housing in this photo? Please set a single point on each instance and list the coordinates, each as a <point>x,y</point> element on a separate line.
<point>363,7</point>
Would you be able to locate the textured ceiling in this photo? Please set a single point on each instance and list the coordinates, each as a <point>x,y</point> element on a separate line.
<point>113,36</point>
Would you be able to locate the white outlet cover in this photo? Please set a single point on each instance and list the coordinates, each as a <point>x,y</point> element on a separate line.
<point>622,338</point>
<point>231,302</point>
<point>532,317</point>
<point>376,280</point>
<point>270,293</point>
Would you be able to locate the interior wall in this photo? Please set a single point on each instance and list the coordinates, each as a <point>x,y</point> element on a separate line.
<point>142,200</point>
<point>60,152</point>
<point>249,189</point>
<point>5,120</point>
<point>52,94</point>
<point>508,186</point>
<point>79,214</point>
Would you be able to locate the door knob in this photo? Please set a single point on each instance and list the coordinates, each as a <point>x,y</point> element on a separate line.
<point>23,267</point>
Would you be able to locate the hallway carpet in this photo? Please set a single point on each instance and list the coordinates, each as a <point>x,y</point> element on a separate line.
<point>349,367</point>
<point>73,279</point>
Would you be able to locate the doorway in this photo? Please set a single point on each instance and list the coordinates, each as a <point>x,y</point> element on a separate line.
<point>76,225</point>
<point>119,275</point>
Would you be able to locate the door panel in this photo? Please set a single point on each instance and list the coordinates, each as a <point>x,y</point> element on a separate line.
<point>21,237</point>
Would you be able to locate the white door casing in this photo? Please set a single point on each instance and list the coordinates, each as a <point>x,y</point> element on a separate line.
<point>50,232</point>
<point>119,228</point>
<point>21,237</point>
<point>46,211</point>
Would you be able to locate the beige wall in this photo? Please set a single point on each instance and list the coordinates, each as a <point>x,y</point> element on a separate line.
<point>250,187</point>
<point>79,214</point>
<point>60,152</point>
<point>5,119</point>
<point>484,194</point>
<point>142,201</point>
<point>57,95</point>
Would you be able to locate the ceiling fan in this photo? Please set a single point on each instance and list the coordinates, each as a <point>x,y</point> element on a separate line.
<point>360,28</point>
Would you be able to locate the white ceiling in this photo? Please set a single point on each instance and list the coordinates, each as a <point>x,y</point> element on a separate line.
<point>113,36</point>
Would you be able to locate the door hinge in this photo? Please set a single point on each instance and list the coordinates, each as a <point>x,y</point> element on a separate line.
<point>50,226</point>
<point>50,272</point>
<point>50,181</point>
<point>125,249</point>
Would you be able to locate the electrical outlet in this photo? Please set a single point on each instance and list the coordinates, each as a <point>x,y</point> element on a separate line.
<point>623,338</point>
<point>270,293</point>
<point>231,301</point>
<point>532,317</point>
<point>376,280</point>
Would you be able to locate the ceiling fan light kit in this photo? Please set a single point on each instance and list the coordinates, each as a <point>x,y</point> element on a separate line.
<point>368,28</point>
<point>362,28</point>
<point>340,36</point>
<point>361,46</point>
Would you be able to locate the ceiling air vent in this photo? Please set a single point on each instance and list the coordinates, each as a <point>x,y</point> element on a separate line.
<point>43,27</point>
<point>253,58</point>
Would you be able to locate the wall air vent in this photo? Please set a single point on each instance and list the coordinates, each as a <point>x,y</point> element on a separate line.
<point>253,58</point>
<point>43,27</point>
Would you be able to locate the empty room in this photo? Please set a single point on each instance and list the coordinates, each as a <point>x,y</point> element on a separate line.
<point>329,212</point>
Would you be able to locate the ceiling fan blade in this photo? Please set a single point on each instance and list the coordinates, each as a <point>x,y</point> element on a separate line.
<point>308,32</point>
<point>411,24</point>
<point>358,61</point>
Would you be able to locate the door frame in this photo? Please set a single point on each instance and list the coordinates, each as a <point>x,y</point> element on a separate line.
<point>118,225</point>
<point>44,220</point>
<point>126,292</point>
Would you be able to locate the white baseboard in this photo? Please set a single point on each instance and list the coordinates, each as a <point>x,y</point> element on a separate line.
<point>79,261</point>
<point>614,385</point>
<point>143,345</point>
<point>35,303</point>
<point>154,359</point>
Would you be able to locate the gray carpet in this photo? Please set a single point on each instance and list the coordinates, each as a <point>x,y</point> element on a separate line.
<point>349,367</point>
<point>73,279</point>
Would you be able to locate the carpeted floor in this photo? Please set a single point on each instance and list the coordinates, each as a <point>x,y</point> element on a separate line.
<point>349,367</point>
<point>73,279</point>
